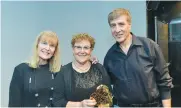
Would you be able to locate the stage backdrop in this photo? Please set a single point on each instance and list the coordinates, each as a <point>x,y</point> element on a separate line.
<point>22,21</point>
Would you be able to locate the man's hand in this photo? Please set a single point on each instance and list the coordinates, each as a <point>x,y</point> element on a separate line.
<point>166,103</point>
<point>94,60</point>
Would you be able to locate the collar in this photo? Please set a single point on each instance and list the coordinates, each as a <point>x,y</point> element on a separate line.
<point>135,42</point>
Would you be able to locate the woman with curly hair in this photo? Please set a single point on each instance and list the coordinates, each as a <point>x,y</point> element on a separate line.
<point>80,78</point>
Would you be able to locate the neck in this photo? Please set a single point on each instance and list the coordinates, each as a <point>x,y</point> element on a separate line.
<point>81,67</point>
<point>42,62</point>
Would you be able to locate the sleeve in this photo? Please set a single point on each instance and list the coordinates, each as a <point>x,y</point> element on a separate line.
<point>16,89</point>
<point>164,81</point>
<point>105,64</point>
<point>59,99</point>
<point>106,78</point>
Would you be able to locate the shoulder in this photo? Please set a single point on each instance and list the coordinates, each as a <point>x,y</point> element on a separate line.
<point>67,66</point>
<point>110,51</point>
<point>64,72</point>
<point>20,69</point>
<point>146,40</point>
<point>22,66</point>
<point>112,48</point>
<point>98,66</point>
<point>149,45</point>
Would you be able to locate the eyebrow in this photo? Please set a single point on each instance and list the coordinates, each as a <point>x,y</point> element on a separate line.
<point>50,43</point>
<point>82,46</point>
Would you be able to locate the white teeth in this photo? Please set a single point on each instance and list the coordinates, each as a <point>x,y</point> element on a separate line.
<point>45,53</point>
<point>82,55</point>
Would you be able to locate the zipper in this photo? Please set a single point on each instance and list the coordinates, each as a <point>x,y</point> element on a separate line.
<point>29,84</point>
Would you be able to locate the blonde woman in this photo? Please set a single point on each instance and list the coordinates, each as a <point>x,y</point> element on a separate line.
<point>79,78</point>
<point>32,83</point>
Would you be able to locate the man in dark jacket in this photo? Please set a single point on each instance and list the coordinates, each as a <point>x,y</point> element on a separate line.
<point>139,73</point>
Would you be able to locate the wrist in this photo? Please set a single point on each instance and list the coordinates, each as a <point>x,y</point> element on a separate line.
<point>166,103</point>
<point>80,104</point>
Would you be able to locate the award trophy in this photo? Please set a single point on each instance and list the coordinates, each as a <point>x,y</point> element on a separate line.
<point>103,96</point>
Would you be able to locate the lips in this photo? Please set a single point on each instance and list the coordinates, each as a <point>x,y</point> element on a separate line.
<point>119,34</point>
<point>81,55</point>
<point>46,53</point>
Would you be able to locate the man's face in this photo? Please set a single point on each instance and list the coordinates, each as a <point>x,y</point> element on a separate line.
<point>120,28</point>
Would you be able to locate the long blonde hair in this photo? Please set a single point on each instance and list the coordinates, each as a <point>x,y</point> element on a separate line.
<point>54,62</point>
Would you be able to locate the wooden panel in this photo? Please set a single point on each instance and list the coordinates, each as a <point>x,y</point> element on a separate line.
<point>163,38</point>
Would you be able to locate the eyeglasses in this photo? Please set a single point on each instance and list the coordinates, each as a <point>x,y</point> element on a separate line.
<point>80,48</point>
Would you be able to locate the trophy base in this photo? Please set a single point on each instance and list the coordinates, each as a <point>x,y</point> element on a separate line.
<point>103,106</point>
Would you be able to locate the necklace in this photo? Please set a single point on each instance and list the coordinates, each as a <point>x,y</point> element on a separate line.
<point>82,70</point>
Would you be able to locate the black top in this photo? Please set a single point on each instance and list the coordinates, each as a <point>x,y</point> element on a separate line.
<point>85,83</point>
<point>140,76</point>
<point>31,87</point>
<point>75,86</point>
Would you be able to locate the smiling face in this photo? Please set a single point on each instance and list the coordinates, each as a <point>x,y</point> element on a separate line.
<point>120,28</point>
<point>82,51</point>
<point>46,47</point>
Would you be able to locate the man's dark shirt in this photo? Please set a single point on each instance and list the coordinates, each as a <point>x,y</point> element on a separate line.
<point>140,76</point>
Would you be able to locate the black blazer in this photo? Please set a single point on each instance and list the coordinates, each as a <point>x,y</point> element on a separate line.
<point>31,87</point>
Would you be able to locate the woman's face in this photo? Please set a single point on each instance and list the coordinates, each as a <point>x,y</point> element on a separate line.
<point>46,48</point>
<point>82,51</point>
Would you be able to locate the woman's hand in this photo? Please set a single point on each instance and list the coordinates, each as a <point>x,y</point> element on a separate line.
<point>88,103</point>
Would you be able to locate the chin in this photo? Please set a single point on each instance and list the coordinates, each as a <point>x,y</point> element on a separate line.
<point>120,40</point>
<point>82,62</point>
<point>45,58</point>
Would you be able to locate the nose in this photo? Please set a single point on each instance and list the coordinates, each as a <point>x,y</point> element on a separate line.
<point>117,28</point>
<point>48,47</point>
<point>82,50</point>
